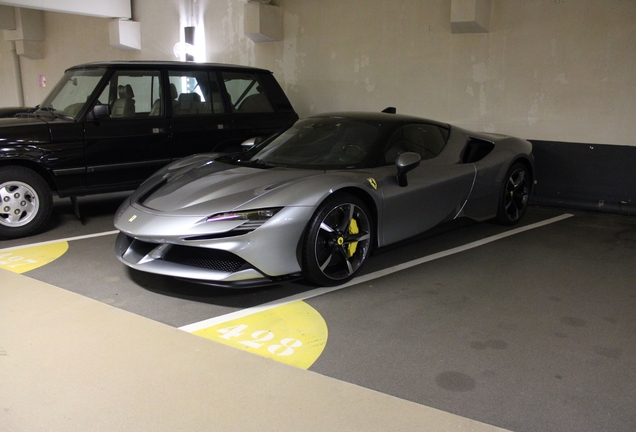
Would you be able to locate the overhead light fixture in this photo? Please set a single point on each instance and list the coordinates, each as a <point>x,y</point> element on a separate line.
<point>185,50</point>
<point>189,40</point>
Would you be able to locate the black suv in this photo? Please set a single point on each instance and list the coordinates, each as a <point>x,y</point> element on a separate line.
<point>107,126</point>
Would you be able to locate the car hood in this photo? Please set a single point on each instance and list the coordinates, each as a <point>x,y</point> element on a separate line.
<point>217,187</point>
<point>21,121</point>
<point>11,111</point>
<point>24,131</point>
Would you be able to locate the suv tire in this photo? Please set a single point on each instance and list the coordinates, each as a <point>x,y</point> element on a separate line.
<point>25,202</point>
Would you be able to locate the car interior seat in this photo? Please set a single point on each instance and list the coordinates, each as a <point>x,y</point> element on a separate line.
<point>189,103</point>
<point>215,96</point>
<point>174,94</point>
<point>124,105</point>
<point>156,106</point>
<point>256,103</point>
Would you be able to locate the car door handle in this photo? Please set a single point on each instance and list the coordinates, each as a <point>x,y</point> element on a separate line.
<point>158,130</point>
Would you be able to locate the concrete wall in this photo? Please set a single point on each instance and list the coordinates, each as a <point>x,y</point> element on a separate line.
<point>555,70</point>
<point>8,88</point>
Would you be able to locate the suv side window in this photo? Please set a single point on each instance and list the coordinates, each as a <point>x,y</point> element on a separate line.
<point>194,93</point>
<point>133,94</point>
<point>245,93</point>
<point>425,139</point>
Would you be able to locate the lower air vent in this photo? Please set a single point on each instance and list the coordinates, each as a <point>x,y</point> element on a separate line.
<point>210,259</point>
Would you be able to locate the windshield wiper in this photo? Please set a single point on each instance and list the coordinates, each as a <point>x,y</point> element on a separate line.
<point>40,110</point>
<point>263,163</point>
<point>238,160</point>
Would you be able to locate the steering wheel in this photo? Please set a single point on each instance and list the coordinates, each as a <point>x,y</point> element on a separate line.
<point>354,151</point>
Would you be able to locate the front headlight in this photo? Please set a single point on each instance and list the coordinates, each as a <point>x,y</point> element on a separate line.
<point>260,215</point>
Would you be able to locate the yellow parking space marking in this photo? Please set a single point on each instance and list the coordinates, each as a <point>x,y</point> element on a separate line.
<point>22,260</point>
<point>294,333</point>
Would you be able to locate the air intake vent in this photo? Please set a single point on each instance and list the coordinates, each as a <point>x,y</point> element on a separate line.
<point>210,259</point>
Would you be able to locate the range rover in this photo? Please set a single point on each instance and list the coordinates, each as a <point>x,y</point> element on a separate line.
<point>107,126</point>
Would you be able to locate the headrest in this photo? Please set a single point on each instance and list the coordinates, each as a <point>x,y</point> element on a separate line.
<point>125,91</point>
<point>173,91</point>
<point>189,97</point>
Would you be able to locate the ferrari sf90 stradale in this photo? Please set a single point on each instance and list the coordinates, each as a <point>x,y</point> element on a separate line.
<point>314,200</point>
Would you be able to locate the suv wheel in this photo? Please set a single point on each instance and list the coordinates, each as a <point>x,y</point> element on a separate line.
<point>25,202</point>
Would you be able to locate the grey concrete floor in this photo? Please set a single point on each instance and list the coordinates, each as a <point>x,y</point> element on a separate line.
<point>533,332</point>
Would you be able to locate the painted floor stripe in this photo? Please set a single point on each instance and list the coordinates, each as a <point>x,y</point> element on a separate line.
<point>366,278</point>
<point>105,233</point>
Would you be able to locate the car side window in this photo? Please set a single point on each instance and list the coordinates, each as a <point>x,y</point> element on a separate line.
<point>421,138</point>
<point>133,94</point>
<point>194,93</point>
<point>245,93</point>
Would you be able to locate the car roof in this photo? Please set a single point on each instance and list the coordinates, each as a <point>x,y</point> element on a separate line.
<point>158,63</point>
<point>381,117</point>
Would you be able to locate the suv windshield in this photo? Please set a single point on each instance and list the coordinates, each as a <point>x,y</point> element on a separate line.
<point>72,91</point>
<point>318,143</point>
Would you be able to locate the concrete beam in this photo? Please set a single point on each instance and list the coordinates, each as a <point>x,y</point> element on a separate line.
<point>470,16</point>
<point>29,25</point>
<point>33,50</point>
<point>125,35</point>
<point>97,8</point>
<point>263,22</point>
<point>7,18</point>
<point>28,34</point>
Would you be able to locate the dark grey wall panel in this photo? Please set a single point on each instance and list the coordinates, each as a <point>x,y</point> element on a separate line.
<point>586,176</point>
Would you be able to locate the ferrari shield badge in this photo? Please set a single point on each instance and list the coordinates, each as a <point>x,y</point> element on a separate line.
<point>373,183</point>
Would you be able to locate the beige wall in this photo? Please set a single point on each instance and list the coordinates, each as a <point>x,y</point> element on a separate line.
<point>8,89</point>
<point>554,70</point>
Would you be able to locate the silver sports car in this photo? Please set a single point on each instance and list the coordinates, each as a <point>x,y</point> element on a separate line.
<point>315,199</point>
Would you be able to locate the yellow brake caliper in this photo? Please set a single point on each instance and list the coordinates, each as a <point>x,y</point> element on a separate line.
<point>353,229</point>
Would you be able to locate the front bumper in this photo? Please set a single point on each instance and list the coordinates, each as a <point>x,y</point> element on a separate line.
<point>165,245</point>
<point>201,265</point>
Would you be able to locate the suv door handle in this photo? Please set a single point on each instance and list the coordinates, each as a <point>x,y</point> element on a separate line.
<point>158,130</point>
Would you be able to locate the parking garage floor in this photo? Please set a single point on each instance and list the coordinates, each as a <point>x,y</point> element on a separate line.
<point>472,326</point>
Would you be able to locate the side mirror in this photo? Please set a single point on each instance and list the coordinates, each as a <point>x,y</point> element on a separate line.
<point>405,162</point>
<point>98,111</point>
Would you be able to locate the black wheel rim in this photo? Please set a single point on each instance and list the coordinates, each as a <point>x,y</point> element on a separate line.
<point>516,194</point>
<point>342,241</point>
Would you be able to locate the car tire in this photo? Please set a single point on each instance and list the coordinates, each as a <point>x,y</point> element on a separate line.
<point>25,202</point>
<point>337,241</point>
<point>514,196</point>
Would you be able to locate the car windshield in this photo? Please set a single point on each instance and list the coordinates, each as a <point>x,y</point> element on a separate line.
<point>318,143</point>
<point>71,93</point>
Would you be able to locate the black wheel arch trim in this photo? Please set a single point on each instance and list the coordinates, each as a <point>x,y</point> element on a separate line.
<point>46,173</point>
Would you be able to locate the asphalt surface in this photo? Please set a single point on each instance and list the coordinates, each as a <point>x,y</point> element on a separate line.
<point>531,332</point>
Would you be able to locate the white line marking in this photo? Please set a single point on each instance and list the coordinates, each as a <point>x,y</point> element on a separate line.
<point>62,240</point>
<point>366,278</point>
